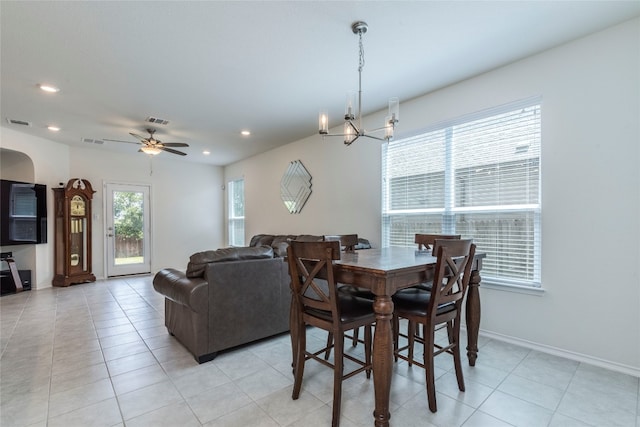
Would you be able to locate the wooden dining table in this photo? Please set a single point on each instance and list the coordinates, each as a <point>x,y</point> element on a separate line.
<point>384,271</point>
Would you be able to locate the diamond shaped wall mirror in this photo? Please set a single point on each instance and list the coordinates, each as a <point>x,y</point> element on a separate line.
<point>295,187</point>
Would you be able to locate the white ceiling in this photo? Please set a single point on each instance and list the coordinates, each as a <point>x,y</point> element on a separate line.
<point>213,68</point>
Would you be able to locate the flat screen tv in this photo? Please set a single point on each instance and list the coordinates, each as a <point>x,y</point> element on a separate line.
<point>23,213</point>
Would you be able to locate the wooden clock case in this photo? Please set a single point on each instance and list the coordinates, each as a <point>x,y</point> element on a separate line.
<point>73,233</point>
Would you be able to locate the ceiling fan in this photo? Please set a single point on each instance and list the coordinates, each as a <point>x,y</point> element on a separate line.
<point>154,146</point>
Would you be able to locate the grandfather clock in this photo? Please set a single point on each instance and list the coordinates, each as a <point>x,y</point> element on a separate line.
<point>73,233</point>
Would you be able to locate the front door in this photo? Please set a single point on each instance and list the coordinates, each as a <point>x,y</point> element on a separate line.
<point>127,229</point>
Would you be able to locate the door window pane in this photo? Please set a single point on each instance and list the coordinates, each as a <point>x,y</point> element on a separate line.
<point>128,221</point>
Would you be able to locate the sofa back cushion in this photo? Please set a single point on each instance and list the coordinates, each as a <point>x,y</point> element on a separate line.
<point>309,238</point>
<point>262,240</point>
<point>199,260</point>
<point>281,242</point>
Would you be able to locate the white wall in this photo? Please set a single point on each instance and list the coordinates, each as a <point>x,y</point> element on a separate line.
<point>345,192</point>
<point>187,200</point>
<point>590,309</point>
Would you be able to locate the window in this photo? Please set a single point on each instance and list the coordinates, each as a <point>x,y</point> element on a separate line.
<point>236,212</point>
<point>478,176</point>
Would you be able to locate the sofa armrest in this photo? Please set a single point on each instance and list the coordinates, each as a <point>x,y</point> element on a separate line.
<point>176,286</point>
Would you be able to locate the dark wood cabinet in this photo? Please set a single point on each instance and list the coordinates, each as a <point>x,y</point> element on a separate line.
<point>73,233</point>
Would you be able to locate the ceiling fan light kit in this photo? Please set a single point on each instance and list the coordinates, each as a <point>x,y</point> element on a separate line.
<point>353,123</point>
<point>149,149</point>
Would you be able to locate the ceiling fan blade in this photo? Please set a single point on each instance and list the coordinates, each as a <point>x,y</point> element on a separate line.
<point>135,135</point>
<point>169,150</point>
<point>117,140</point>
<point>174,144</point>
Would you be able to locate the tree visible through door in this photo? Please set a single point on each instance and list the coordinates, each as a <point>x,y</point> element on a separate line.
<point>128,224</point>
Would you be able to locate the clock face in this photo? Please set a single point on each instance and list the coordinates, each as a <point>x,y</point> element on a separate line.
<point>77,206</point>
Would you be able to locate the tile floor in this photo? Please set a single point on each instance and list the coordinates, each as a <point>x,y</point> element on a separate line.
<point>97,354</point>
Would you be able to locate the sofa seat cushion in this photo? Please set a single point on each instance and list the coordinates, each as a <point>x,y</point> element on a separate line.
<point>174,285</point>
<point>198,261</point>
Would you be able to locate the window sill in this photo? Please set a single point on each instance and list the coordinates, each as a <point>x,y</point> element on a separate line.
<point>527,290</point>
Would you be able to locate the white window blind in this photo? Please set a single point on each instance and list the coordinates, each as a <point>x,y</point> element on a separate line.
<point>235,203</point>
<point>478,176</point>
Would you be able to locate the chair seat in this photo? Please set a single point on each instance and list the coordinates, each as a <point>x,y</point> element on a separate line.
<point>352,309</point>
<point>356,292</point>
<point>353,291</point>
<point>425,286</point>
<point>415,302</point>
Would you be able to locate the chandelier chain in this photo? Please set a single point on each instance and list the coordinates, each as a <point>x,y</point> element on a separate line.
<point>361,59</point>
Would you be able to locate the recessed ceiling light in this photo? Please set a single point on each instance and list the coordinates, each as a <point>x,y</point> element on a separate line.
<point>206,152</point>
<point>245,133</point>
<point>53,128</point>
<point>49,88</point>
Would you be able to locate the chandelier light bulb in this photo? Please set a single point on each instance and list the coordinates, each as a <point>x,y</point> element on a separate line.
<point>394,109</point>
<point>388,128</point>
<point>349,106</point>
<point>323,123</point>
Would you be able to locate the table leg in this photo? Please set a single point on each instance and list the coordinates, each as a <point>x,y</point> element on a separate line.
<point>473,317</point>
<point>382,359</point>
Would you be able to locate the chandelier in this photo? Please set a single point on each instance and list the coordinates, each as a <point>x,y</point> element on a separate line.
<point>353,123</point>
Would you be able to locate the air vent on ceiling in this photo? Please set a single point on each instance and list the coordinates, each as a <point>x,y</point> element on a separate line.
<point>18,122</point>
<point>92,141</point>
<point>157,120</point>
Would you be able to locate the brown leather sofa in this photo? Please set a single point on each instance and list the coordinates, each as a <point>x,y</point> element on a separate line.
<point>230,296</point>
<point>226,298</point>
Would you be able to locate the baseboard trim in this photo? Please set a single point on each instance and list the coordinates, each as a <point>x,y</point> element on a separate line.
<point>578,357</point>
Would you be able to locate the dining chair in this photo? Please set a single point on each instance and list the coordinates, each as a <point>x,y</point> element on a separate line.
<point>439,307</point>
<point>425,242</point>
<point>318,303</point>
<point>348,242</point>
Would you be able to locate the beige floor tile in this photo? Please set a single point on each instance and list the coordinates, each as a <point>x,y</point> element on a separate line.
<point>102,414</point>
<point>147,399</point>
<point>177,414</point>
<point>79,397</point>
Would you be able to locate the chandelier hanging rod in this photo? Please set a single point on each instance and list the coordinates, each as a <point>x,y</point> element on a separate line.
<point>353,131</point>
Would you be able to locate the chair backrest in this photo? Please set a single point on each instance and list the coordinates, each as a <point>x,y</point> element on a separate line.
<point>452,274</point>
<point>348,242</point>
<point>311,271</point>
<point>425,241</point>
